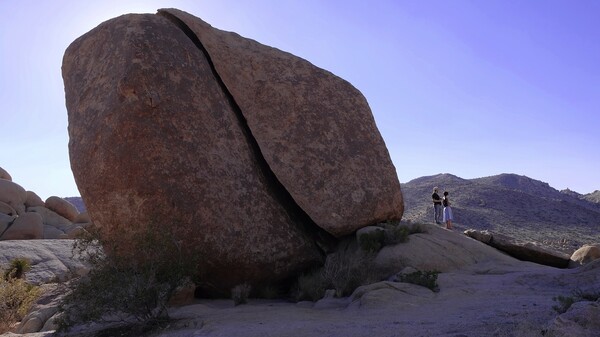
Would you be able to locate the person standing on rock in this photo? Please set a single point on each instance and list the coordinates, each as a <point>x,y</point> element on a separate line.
<point>437,206</point>
<point>447,211</point>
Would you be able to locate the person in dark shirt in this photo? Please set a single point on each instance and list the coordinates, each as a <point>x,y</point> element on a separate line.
<point>437,206</point>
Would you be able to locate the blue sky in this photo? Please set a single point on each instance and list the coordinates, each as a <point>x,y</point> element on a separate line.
<point>472,88</point>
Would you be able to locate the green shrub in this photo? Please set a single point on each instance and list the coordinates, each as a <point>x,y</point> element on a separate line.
<point>17,269</point>
<point>240,293</point>
<point>578,295</point>
<point>396,234</point>
<point>426,279</point>
<point>343,271</point>
<point>347,270</point>
<point>16,296</point>
<point>129,288</point>
<point>372,241</point>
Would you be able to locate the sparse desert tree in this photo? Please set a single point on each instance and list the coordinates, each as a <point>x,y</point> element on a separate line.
<point>130,288</point>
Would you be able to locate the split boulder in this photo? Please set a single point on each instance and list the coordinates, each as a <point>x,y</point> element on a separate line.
<point>263,156</point>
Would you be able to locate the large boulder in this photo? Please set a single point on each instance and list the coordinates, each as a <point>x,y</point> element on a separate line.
<point>248,155</point>
<point>314,129</point>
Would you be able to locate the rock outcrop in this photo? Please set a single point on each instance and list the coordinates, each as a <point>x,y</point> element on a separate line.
<point>51,260</point>
<point>522,250</point>
<point>584,255</point>
<point>24,216</point>
<point>250,156</point>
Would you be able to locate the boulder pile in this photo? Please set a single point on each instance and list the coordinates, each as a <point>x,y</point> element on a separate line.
<point>252,158</point>
<point>25,216</point>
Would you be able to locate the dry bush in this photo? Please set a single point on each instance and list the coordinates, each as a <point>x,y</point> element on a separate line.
<point>16,295</point>
<point>343,271</point>
<point>127,289</point>
<point>240,293</point>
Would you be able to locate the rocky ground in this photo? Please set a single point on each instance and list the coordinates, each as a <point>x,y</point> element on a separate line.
<point>482,292</point>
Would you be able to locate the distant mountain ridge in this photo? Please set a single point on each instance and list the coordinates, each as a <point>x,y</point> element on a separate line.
<point>77,202</point>
<point>511,204</point>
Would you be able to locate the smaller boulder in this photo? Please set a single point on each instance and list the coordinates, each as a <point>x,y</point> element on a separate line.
<point>5,221</point>
<point>4,175</point>
<point>82,217</point>
<point>7,209</point>
<point>524,251</point>
<point>584,255</point>
<point>40,315</point>
<point>75,231</point>
<point>580,320</point>
<point>51,232</point>
<point>62,207</point>
<point>33,200</point>
<point>13,194</point>
<point>28,226</point>
<point>50,217</point>
<point>483,236</point>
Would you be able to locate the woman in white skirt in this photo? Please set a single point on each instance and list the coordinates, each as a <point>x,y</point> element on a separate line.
<point>447,211</point>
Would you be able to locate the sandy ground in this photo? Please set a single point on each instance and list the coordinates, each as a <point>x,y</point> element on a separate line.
<point>481,301</point>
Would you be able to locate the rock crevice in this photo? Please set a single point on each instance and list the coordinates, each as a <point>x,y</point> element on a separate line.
<point>304,222</point>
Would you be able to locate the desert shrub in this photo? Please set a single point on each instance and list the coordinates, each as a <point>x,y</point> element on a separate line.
<point>392,233</point>
<point>347,270</point>
<point>372,241</point>
<point>310,286</point>
<point>269,292</point>
<point>578,295</point>
<point>396,234</point>
<point>240,293</point>
<point>16,296</point>
<point>17,268</point>
<point>343,271</point>
<point>129,288</point>
<point>426,279</point>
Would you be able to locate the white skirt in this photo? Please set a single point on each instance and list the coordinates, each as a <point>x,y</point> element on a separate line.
<point>447,213</point>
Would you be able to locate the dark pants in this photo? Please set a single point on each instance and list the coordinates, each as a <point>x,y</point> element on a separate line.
<point>437,213</point>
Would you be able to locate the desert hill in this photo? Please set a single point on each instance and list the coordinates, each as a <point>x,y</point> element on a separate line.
<point>511,204</point>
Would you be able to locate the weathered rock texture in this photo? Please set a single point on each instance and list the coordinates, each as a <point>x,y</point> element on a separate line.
<point>248,155</point>
<point>51,260</point>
